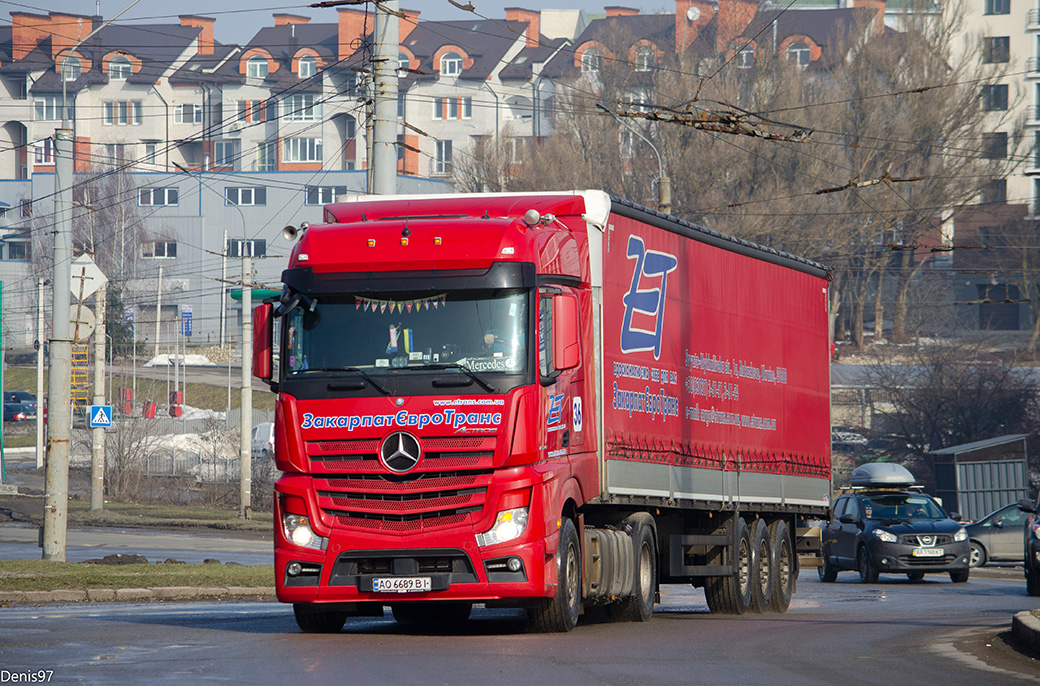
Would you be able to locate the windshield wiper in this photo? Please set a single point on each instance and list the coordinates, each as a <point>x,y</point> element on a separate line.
<point>466,370</point>
<point>353,370</point>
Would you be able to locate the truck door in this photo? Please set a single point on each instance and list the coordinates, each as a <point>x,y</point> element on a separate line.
<point>565,405</point>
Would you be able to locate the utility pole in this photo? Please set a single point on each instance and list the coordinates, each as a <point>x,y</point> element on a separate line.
<point>384,70</point>
<point>97,462</point>
<point>158,313</point>
<point>40,283</point>
<point>246,453</point>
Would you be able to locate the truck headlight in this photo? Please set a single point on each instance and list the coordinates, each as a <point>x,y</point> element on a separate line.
<point>509,524</point>
<point>961,535</point>
<point>297,529</point>
<point>886,536</point>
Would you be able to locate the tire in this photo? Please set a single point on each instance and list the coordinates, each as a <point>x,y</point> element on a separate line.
<point>783,570</point>
<point>761,567</point>
<point>915,576</point>
<point>431,613</point>
<point>960,576</point>
<point>731,595</point>
<point>867,573</point>
<point>978,556</point>
<point>559,614</point>
<point>313,621</point>
<point>828,572</point>
<point>640,607</point>
<point>1032,582</point>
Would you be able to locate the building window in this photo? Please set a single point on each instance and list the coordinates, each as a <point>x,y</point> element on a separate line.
<point>308,66</point>
<point>44,151</point>
<point>73,67</point>
<point>442,159</point>
<point>25,209</point>
<point>997,49</point>
<point>995,193</point>
<point>124,113</point>
<point>159,249</point>
<point>225,153</point>
<point>453,108</point>
<point>994,145</point>
<point>995,97</point>
<point>245,196</point>
<point>451,64</point>
<point>151,152</point>
<point>119,68</point>
<point>18,250</point>
<point>257,67</point>
<point>323,195</point>
<point>591,61</point>
<point>302,108</point>
<point>745,58</point>
<point>115,153</point>
<point>266,157</point>
<point>251,110</point>
<point>800,54</point>
<point>187,113</point>
<point>646,59</point>
<point>998,7</point>
<point>402,64</point>
<point>301,150</point>
<point>157,197</point>
<point>237,247</point>
<point>47,107</point>
<point>400,104</point>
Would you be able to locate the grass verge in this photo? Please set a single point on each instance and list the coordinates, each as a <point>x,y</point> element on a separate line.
<point>40,575</point>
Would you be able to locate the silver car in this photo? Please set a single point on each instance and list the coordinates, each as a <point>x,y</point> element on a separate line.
<point>997,537</point>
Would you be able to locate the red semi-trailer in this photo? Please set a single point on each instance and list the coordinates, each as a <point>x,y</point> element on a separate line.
<point>555,401</point>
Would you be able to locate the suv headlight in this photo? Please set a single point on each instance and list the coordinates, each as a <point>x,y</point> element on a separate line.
<point>509,524</point>
<point>297,529</point>
<point>961,535</point>
<point>886,536</point>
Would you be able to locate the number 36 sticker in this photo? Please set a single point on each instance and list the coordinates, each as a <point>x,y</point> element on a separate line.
<point>576,413</point>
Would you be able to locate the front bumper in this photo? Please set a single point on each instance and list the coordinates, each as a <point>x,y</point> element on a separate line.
<point>900,558</point>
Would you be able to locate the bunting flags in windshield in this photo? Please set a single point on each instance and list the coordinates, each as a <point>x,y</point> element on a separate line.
<point>382,306</point>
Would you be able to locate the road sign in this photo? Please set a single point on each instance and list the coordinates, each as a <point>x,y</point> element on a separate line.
<point>86,277</point>
<point>100,416</point>
<point>83,321</point>
<point>186,320</point>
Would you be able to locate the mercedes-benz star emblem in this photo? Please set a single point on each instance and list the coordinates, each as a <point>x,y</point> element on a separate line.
<point>400,452</point>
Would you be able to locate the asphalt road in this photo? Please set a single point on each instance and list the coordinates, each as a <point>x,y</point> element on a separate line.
<point>846,633</point>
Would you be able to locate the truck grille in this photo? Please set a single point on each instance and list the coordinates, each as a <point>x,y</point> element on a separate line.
<point>447,488</point>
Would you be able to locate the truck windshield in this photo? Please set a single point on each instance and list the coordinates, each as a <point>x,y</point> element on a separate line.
<point>481,332</point>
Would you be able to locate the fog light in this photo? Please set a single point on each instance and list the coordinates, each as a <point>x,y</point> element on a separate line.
<point>293,569</point>
<point>514,564</point>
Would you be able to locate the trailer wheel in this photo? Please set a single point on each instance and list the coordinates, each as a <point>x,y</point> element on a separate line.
<point>867,573</point>
<point>313,621</point>
<point>559,614</point>
<point>448,613</point>
<point>783,571</point>
<point>761,567</point>
<point>731,595</point>
<point>640,607</point>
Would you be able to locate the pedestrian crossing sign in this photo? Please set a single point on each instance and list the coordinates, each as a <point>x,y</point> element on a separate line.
<point>100,416</point>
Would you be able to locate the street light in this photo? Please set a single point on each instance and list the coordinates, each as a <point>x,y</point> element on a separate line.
<point>664,184</point>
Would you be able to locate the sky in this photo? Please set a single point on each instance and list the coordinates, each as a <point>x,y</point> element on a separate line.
<point>239,20</point>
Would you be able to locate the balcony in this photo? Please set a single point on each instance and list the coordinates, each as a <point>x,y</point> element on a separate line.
<point>1033,115</point>
<point>1033,68</point>
<point>1033,20</point>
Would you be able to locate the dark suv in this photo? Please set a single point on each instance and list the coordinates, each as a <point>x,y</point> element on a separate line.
<point>1032,545</point>
<point>884,525</point>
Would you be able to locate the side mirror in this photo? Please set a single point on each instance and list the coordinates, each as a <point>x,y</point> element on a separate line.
<point>1026,505</point>
<point>847,519</point>
<point>565,332</point>
<point>263,341</point>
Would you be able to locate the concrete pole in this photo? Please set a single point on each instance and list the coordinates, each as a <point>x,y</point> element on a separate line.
<point>158,312</point>
<point>246,471</point>
<point>97,462</point>
<point>384,70</point>
<point>39,373</point>
<point>664,194</point>
<point>59,392</point>
<point>223,290</point>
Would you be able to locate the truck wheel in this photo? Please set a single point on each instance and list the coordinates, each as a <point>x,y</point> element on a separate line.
<point>1032,582</point>
<point>640,607</point>
<point>867,573</point>
<point>560,613</point>
<point>761,563</point>
<point>445,613</point>
<point>977,557</point>
<point>313,621</point>
<point>731,595</point>
<point>783,571</point>
<point>960,576</point>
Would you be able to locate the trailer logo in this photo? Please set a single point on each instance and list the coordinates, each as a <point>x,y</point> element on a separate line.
<point>648,301</point>
<point>400,452</point>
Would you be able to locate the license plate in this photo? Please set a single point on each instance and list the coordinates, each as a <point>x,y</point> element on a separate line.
<point>401,584</point>
<point>927,552</point>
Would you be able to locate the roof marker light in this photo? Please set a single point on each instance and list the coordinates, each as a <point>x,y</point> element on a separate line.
<point>404,241</point>
<point>371,242</point>
<point>437,240</point>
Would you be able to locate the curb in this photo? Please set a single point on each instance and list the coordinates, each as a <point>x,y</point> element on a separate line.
<point>127,595</point>
<point>1026,629</point>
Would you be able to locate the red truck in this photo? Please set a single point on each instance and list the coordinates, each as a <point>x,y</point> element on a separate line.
<point>552,401</point>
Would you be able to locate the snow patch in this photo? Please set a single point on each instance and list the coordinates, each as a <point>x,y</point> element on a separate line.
<point>166,360</point>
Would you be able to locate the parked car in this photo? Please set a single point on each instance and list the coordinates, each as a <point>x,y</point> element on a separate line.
<point>19,412</point>
<point>23,397</point>
<point>263,441</point>
<point>997,537</point>
<point>1031,550</point>
<point>885,525</point>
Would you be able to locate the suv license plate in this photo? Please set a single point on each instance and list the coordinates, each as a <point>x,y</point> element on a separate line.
<point>401,584</point>
<point>927,552</point>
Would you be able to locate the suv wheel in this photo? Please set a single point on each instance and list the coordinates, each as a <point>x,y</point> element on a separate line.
<point>867,573</point>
